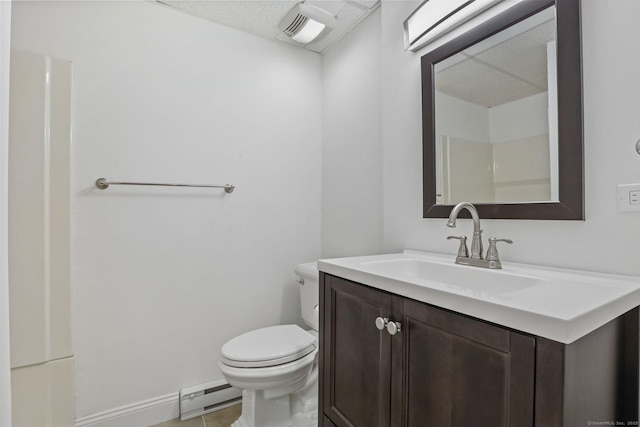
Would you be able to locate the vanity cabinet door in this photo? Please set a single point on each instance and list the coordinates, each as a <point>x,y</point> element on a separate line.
<point>356,355</point>
<point>462,372</point>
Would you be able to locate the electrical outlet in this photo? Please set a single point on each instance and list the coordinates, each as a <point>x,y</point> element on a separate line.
<point>629,198</point>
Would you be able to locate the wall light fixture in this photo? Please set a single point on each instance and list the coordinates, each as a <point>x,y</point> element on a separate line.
<point>434,18</point>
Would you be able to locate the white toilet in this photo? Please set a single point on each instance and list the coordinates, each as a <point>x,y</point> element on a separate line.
<point>276,367</point>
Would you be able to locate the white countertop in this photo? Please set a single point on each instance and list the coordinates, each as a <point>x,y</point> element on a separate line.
<point>558,304</point>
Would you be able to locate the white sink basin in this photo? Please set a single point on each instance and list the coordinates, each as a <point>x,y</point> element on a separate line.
<point>559,304</point>
<point>459,278</point>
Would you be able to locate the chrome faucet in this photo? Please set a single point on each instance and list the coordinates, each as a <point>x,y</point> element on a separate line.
<point>476,242</point>
<point>476,259</point>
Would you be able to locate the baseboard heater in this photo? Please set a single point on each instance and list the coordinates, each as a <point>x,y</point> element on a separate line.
<point>204,398</point>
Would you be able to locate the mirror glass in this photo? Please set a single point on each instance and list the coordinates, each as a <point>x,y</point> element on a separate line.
<point>502,116</point>
<point>496,117</point>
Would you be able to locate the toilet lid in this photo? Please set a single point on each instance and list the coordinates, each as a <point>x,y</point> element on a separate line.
<point>269,346</point>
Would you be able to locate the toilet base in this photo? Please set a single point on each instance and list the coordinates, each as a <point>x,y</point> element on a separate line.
<point>298,409</point>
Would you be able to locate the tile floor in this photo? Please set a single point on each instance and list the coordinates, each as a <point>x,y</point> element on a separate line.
<point>221,418</point>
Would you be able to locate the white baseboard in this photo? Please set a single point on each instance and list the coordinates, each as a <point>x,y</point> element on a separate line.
<point>140,414</point>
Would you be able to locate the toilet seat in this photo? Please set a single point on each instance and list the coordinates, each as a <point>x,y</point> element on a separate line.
<point>271,346</point>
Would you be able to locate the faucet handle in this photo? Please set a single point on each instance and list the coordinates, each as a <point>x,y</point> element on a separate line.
<point>462,249</point>
<point>492,252</point>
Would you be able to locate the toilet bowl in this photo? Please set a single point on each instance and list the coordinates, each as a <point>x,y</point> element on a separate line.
<point>276,367</point>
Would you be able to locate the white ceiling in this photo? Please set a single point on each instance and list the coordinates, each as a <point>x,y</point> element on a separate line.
<point>261,17</point>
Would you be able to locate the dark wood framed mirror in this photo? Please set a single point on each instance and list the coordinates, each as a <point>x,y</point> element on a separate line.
<point>553,191</point>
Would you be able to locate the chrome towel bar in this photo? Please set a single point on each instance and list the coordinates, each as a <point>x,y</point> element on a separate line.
<point>103,184</point>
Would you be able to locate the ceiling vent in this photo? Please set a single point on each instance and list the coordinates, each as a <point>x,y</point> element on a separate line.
<point>304,23</point>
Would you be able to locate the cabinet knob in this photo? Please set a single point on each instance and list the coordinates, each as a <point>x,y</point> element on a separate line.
<point>381,323</point>
<point>394,327</point>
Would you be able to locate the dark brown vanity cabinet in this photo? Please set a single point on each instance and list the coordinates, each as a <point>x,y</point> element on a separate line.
<point>446,369</point>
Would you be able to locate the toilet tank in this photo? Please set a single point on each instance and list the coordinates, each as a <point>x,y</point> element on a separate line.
<point>309,293</point>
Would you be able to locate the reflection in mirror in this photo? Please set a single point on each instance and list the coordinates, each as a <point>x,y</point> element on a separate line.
<point>496,117</point>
